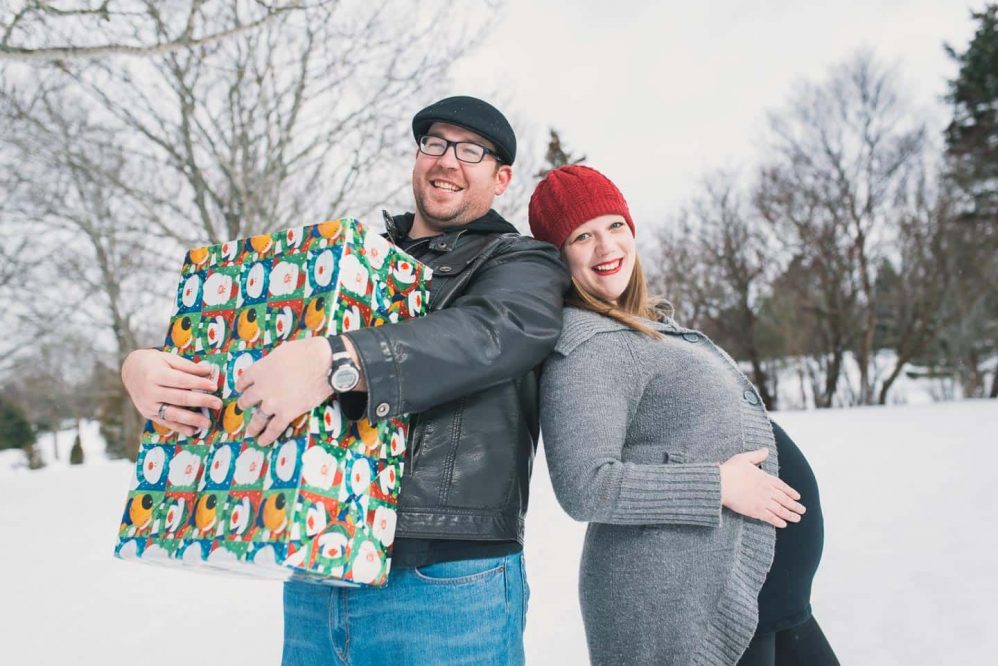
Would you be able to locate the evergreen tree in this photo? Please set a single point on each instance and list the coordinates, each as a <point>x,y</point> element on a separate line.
<point>972,160</point>
<point>972,136</point>
<point>557,155</point>
<point>15,430</point>
<point>76,453</point>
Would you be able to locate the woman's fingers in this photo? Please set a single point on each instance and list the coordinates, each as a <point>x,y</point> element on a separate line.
<point>781,485</point>
<point>789,503</point>
<point>784,513</point>
<point>182,398</point>
<point>773,519</point>
<point>755,457</point>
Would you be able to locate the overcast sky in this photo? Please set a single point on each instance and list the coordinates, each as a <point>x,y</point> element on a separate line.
<point>658,93</point>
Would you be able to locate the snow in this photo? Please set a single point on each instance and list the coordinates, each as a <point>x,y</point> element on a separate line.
<point>907,575</point>
<point>58,454</point>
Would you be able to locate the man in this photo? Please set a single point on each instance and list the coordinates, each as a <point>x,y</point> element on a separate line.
<point>457,591</point>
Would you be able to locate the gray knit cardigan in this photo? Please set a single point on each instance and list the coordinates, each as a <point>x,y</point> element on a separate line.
<point>634,430</point>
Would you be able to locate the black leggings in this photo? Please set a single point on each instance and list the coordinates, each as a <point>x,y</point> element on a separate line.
<point>803,645</point>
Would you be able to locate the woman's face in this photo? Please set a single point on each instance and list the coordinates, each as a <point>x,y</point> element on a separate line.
<point>600,256</point>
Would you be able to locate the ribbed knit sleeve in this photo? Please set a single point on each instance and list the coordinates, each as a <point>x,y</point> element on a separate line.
<point>588,398</point>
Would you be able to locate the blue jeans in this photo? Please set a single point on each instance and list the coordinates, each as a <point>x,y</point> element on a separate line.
<point>464,612</point>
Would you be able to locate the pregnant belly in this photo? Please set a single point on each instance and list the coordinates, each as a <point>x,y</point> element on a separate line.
<point>785,597</point>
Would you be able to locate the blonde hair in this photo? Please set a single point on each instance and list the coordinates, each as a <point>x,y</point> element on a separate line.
<point>633,305</point>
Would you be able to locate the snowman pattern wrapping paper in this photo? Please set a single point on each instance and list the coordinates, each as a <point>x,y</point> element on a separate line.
<point>320,501</point>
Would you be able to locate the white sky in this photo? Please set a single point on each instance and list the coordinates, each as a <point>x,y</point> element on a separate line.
<point>658,93</point>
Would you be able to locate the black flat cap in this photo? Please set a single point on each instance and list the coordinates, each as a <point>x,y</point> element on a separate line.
<point>472,114</point>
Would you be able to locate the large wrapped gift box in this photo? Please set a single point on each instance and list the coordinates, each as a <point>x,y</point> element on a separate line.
<point>321,500</point>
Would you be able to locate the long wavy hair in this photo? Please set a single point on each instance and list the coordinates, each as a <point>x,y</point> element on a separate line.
<point>633,305</point>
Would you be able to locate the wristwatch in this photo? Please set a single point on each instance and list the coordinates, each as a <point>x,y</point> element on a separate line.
<point>344,375</point>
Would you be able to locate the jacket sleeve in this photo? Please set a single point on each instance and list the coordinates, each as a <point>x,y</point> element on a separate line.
<point>504,323</point>
<point>588,399</point>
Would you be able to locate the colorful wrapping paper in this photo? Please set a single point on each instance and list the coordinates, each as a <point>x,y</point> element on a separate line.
<point>320,501</point>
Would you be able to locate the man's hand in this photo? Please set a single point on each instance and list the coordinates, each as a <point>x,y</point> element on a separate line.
<point>747,490</point>
<point>154,378</point>
<point>289,381</point>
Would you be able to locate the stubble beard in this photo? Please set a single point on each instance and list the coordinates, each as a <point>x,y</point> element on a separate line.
<point>442,220</point>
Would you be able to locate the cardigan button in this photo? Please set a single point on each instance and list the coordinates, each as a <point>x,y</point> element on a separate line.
<point>691,337</point>
<point>382,410</point>
<point>750,397</point>
<point>444,269</point>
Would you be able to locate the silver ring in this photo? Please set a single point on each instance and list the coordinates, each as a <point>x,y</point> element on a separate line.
<point>264,414</point>
<point>162,411</point>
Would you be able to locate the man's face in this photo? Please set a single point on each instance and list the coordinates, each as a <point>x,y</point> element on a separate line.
<point>450,192</point>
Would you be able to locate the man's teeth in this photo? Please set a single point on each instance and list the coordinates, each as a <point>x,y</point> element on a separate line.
<point>608,266</point>
<point>440,185</point>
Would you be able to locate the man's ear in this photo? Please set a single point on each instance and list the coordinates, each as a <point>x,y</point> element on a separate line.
<point>503,175</point>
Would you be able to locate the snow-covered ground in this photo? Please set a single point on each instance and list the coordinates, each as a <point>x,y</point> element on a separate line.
<point>908,574</point>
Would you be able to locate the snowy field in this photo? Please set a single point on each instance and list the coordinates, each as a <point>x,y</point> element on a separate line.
<point>908,575</point>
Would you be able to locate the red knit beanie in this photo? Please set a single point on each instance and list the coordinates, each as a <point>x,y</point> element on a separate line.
<point>572,195</point>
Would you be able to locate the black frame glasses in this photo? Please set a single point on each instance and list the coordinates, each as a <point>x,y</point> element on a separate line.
<point>459,148</point>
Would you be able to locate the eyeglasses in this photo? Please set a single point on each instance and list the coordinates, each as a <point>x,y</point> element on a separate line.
<point>466,151</point>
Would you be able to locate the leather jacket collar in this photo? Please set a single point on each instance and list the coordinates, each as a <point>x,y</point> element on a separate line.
<point>397,228</point>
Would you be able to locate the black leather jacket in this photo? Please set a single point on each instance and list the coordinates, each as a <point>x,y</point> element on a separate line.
<point>468,373</point>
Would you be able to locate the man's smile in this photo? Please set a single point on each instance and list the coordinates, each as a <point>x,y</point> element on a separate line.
<point>445,185</point>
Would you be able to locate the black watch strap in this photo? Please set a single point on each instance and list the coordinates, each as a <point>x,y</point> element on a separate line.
<point>341,365</point>
<point>336,344</point>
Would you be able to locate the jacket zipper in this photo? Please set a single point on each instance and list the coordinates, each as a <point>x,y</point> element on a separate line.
<point>415,432</point>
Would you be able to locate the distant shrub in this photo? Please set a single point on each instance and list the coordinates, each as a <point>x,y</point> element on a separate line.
<point>76,453</point>
<point>15,430</point>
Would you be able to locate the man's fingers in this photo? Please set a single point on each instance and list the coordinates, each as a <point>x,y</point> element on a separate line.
<point>186,365</point>
<point>274,429</point>
<point>176,426</point>
<point>174,378</point>
<point>176,414</point>
<point>183,398</point>
<point>249,399</point>
<point>245,380</point>
<point>258,422</point>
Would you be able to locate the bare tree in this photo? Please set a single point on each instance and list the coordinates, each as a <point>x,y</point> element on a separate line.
<point>841,152</point>
<point>45,31</point>
<point>912,297</point>
<point>716,263</point>
<point>123,163</point>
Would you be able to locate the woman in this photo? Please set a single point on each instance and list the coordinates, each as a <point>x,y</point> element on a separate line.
<point>649,430</point>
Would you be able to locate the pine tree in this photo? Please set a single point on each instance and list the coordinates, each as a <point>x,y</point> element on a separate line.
<point>76,453</point>
<point>972,156</point>
<point>557,155</point>
<point>972,136</point>
<point>15,430</point>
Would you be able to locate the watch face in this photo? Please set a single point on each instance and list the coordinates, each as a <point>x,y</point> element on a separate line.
<point>344,378</point>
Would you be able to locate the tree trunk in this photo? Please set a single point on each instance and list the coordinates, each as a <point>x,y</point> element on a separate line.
<point>831,381</point>
<point>895,373</point>
<point>55,442</point>
<point>759,377</point>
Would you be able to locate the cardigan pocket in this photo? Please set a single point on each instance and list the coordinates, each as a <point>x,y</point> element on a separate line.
<point>651,454</point>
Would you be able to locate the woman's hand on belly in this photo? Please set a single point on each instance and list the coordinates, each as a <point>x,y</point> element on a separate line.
<point>747,490</point>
